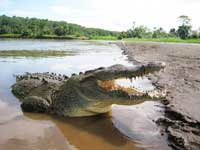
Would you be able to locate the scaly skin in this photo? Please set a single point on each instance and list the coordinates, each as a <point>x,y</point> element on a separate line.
<point>86,94</point>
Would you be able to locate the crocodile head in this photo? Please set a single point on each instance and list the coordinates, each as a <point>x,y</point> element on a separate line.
<point>94,91</point>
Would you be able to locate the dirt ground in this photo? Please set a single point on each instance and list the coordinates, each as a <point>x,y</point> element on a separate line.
<point>181,79</point>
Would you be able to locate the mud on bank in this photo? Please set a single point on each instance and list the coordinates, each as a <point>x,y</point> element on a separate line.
<point>181,79</point>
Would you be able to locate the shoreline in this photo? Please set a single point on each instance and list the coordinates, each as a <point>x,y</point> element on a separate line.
<point>111,39</point>
<point>182,81</point>
<point>44,37</point>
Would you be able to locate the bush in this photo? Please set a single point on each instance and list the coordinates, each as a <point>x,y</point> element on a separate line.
<point>194,35</point>
<point>5,30</point>
<point>26,33</point>
<point>183,31</point>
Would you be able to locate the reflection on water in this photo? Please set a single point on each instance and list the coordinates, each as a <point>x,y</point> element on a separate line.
<point>63,45</point>
<point>137,123</point>
<point>36,131</point>
<point>26,134</point>
<point>90,133</point>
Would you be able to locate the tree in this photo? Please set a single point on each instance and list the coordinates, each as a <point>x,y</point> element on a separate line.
<point>194,34</point>
<point>26,33</point>
<point>141,32</point>
<point>173,32</point>
<point>184,20</point>
<point>122,35</point>
<point>130,32</point>
<point>59,31</point>
<point>158,33</point>
<point>185,27</point>
<point>5,29</point>
<point>183,31</point>
<point>33,27</point>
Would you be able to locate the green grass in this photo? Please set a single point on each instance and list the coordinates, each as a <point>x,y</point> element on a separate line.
<point>34,53</point>
<point>112,38</point>
<point>109,38</point>
<point>67,37</point>
<point>168,40</point>
<point>10,35</point>
<point>70,37</point>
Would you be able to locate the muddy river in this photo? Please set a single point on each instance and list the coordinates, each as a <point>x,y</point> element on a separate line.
<point>125,128</point>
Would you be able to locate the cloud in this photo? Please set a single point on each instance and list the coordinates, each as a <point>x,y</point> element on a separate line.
<point>61,10</point>
<point>5,3</point>
<point>110,14</point>
<point>119,15</point>
<point>22,13</point>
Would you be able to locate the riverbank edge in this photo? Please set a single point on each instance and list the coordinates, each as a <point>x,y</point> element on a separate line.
<point>53,37</point>
<point>175,124</point>
<point>105,38</point>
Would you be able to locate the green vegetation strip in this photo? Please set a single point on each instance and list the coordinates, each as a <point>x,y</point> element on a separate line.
<point>19,27</point>
<point>68,37</point>
<point>167,40</point>
<point>103,38</point>
<point>35,53</point>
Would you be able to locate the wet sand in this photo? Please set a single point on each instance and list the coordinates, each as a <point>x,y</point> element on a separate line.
<point>89,132</point>
<point>22,133</point>
<point>181,79</point>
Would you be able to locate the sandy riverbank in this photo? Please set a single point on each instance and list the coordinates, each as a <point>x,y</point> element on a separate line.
<point>181,79</point>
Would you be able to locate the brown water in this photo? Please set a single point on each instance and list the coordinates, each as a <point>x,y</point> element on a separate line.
<point>125,128</point>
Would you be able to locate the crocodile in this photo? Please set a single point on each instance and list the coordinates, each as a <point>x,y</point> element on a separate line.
<point>85,94</point>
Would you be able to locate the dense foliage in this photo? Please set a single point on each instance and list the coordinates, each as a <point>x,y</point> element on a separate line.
<point>43,28</point>
<point>184,31</point>
<point>32,27</point>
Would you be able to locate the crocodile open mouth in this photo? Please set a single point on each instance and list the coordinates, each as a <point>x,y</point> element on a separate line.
<point>134,86</point>
<point>130,87</point>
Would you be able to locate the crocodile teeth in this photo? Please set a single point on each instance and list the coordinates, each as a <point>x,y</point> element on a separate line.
<point>157,93</point>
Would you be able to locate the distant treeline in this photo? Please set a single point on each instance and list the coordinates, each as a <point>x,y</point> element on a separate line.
<point>19,27</point>
<point>43,28</point>
<point>184,31</point>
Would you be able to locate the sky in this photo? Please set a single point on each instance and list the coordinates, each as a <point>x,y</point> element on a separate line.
<point>117,15</point>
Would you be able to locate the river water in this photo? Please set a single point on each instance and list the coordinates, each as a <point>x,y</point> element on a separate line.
<point>125,128</point>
